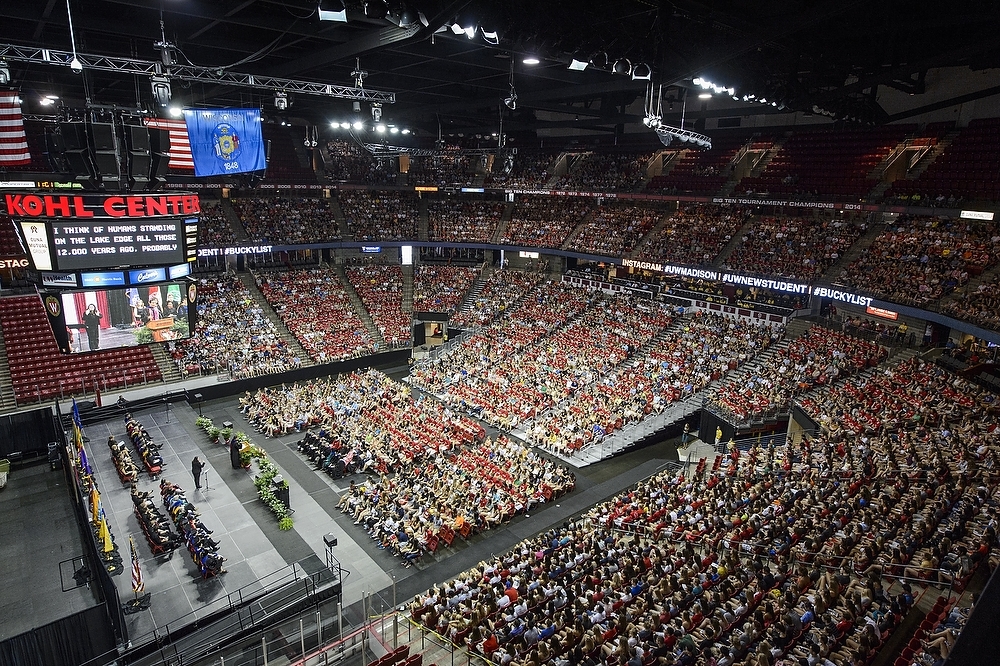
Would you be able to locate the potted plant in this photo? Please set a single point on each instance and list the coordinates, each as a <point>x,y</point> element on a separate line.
<point>213,433</point>
<point>203,422</point>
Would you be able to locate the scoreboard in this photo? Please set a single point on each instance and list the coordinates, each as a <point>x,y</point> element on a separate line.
<point>82,232</point>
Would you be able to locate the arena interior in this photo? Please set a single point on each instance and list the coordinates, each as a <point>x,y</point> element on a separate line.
<point>548,333</point>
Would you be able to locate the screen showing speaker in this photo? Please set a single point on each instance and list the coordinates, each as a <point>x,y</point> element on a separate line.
<point>95,319</point>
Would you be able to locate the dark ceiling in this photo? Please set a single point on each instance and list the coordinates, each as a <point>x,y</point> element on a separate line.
<point>800,53</point>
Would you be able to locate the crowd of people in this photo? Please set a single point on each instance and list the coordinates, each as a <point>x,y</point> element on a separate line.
<point>529,170</point>
<point>917,260</point>
<point>375,216</point>
<point>445,169</point>
<point>441,288</point>
<point>234,334</point>
<point>315,307</point>
<point>795,247</point>
<point>502,289</point>
<point>623,172</point>
<point>204,550</point>
<point>615,230</point>
<point>213,229</point>
<point>694,235</point>
<point>981,306</point>
<point>688,355</point>
<point>543,221</point>
<point>380,288</point>
<point>463,221</point>
<point>795,553</point>
<point>506,372</point>
<point>819,357</point>
<point>474,489</point>
<point>346,161</point>
<point>287,220</point>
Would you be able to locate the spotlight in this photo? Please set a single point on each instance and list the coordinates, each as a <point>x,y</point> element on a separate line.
<point>332,10</point>
<point>45,101</point>
<point>599,60</point>
<point>280,101</point>
<point>358,125</point>
<point>356,106</point>
<point>457,28</point>
<point>345,125</point>
<point>531,60</point>
<point>577,63</point>
<point>176,111</point>
<point>4,73</point>
<point>393,130</point>
<point>376,112</point>
<point>696,80</point>
<point>380,129</point>
<point>641,72</point>
<point>406,131</point>
<point>161,89</point>
<point>491,36</point>
<point>704,95</point>
<point>76,65</point>
<point>622,66</point>
<point>511,101</point>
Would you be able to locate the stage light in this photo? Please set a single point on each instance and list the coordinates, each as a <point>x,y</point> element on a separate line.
<point>578,65</point>
<point>511,101</point>
<point>456,28</point>
<point>280,101</point>
<point>599,60</point>
<point>161,89</point>
<point>332,10</point>
<point>358,125</point>
<point>4,73</point>
<point>393,130</point>
<point>45,101</point>
<point>380,129</point>
<point>406,131</point>
<point>176,111</point>
<point>704,95</point>
<point>76,65</point>
<point>622,66</point>
<point>491,37</point>
<point>642,72</point>
<point>531,60</point>
<point>345,125</point>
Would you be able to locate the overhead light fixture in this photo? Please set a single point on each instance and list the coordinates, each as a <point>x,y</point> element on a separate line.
<point>332,10</point>
<point>406,131</point>
<point>280,101</point>
<point>641,72</point>
<point>4,73</point>
<point>176,111</point>
<point>76,65</point>
<point>376,112</point>
<point>599,60</point>
<point>511,101</point>
<point>376,9</point>
<point>704,95</point>
<point>491,36</point>
<point>358,125</point>
<point>457,28</point>
<point>622,66</point>
<point>578,65</point>
<point>531,60</point>
<point>393,130</point>
<point>345,125</point>
<point>161,89</point>
<point>45,101</point>
<point>380,129</point>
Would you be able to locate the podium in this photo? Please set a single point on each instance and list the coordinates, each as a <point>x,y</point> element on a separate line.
<point>160,328</point>
<point>280,491</point>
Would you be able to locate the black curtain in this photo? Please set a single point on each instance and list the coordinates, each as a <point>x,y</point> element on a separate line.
<point>27,432</point>
<point>419,334</point>
<point>119,308</point>
<point>71,641</point>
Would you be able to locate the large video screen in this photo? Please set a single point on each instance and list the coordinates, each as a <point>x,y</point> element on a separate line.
<point>92,320</point>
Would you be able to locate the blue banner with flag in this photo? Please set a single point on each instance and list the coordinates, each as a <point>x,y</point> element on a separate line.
<point>225,141</point>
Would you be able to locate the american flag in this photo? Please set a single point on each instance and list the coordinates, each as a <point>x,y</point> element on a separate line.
<point>137,584</point>
<point>180,147</point>
<point>13,143</point>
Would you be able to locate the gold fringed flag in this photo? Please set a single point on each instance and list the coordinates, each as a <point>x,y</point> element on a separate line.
<point>104,536</point>
<point>95,504</point>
